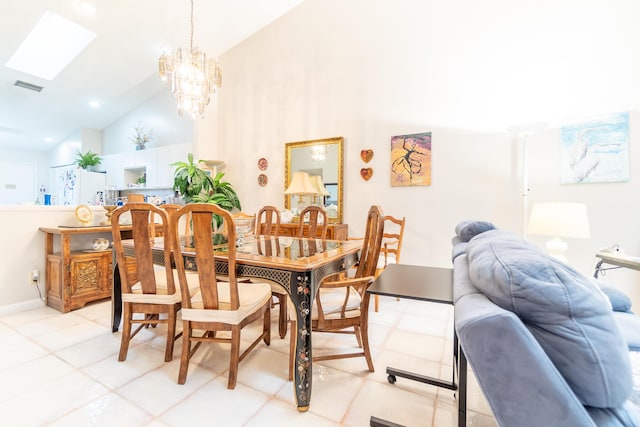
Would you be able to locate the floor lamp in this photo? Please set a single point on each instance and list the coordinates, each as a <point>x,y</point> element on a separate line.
<point>522,133</point>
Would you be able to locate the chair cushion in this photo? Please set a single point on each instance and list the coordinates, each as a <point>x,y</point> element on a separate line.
<point>332,300</point>
<point>161,296</point>
<point>252,297</point>
<point>563,309</point>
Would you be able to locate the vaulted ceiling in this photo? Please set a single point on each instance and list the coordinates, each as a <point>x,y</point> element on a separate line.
<point>119,68</point>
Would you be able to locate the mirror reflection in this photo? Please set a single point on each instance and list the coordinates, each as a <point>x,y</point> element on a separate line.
<point>314,176</point>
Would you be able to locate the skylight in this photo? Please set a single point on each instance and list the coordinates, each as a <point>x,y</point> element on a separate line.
<point>52,44</point>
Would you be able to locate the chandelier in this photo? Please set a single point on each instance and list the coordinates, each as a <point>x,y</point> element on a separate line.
<point>318,153</point>
<point>193,77</point>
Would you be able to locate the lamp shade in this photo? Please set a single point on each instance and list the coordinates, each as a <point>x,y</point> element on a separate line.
<point>300,184</point>
<point>559,220</point>
<point>316,181</point>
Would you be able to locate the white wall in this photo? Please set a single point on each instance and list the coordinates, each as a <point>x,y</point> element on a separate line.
<point>464,70</point>
<point>64,153</point>
<point>158,115</point>
<point>25,159</point>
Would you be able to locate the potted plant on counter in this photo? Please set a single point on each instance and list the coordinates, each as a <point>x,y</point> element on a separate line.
<point>196,185</point>
<point>88,160</point>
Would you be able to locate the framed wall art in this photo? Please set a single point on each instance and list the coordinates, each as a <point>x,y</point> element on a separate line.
<point>595,149</point>
<point>411,159</point>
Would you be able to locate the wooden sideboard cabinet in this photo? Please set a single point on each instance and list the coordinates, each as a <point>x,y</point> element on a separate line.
<point>334,231</point>
<point>74,278</point>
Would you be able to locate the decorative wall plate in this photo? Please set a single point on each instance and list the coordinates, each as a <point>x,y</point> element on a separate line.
<point>84,214</point>
<point>366,155</point>
<point>366,173</point>
<point>263,164</point>
<point>262,180</point>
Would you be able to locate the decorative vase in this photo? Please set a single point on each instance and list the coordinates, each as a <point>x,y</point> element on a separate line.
<point>109,209</point>
<point>139,147</point>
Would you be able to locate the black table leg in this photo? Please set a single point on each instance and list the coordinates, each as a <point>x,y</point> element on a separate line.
<point>116,300</point>
<point>379,422</point>
<point>459,373</point>
<point>462,387</point>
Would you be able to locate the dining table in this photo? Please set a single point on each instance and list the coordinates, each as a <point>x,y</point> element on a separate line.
<point>296,264</point>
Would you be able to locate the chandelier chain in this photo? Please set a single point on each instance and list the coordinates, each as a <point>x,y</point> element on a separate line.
<point>191,29</point>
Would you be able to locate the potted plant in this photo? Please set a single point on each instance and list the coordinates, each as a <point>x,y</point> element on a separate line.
<point>141,138</point>
<point>197,185</point>
<point>87,160</point>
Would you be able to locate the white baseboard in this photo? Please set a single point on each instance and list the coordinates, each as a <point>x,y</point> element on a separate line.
<point>21,306</point>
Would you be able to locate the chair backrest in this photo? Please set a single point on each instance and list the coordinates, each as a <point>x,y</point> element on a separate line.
<point>392,237</point>
<point>244,222</point>
<point>135,198</point>
<point>268,221</point>
<point>140,266</point>
<point>170,208</point>
<point>371,243</point>
<point>318,220</point>
<point>200,251</point>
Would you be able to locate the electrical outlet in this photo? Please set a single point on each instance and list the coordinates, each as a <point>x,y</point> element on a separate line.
<point>35,277</point>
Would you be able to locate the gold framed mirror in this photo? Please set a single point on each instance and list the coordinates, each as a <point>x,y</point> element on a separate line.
<point>318,163</point>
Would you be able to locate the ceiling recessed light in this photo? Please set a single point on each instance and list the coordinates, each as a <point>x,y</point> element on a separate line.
<point>50,46</point>
<point>94,104</point>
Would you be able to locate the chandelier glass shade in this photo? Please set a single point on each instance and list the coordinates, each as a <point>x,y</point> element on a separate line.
<point>194,78</point>
<point>319,153</point>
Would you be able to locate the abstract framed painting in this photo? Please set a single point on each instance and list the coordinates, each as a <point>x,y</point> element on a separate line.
<point>411,159</point>
<point>595,149</point>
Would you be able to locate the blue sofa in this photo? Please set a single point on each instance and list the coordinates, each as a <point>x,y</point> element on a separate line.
<point>542,339</point>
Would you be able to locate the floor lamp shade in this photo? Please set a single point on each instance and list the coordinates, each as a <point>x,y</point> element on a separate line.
<point>558,220</point>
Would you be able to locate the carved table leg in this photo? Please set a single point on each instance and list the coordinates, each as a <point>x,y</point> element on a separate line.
<point>301,295</point>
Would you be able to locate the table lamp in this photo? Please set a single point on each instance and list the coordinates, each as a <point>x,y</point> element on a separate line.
<point>301,186</point>
<point>559,220</point>
<point>318,185</point>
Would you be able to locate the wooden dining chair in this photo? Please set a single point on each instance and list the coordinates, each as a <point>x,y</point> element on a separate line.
<point>245,225</point>
<point>342,306</point>
<point>314,222</point>
<point>169,208</point>
<point>135,198</point>
<point>147,289</point>
<point>215,305</point>
<point>391,247</point>
<point>268,223</point>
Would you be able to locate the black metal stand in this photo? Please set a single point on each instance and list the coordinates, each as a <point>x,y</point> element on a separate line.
<point>432,285</point>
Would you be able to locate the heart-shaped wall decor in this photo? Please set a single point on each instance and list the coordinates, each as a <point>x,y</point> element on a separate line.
<point>366,173</point>
<point>366,155</point>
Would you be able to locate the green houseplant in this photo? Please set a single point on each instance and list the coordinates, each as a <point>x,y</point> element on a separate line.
<point>87,160</point>
<point>197,185</point>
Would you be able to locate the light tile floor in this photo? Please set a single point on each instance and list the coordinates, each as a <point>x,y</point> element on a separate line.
<point>62,370</point>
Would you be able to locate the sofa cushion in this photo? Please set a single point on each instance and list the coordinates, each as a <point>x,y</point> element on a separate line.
<point>619,300</point>
<point>630,326</point>
<point>467,230</point>
<point>563,309</point>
